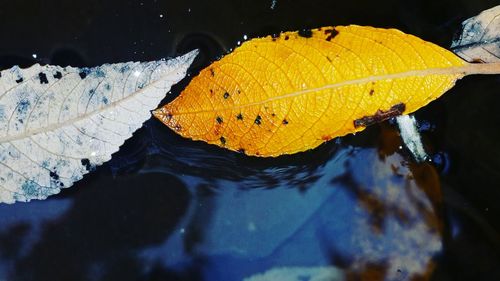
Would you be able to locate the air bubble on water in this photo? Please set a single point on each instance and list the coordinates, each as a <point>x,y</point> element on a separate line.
<point>273,4</point>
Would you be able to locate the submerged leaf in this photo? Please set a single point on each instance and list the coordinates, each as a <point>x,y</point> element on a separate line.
<point>479,40</point>
<point>286,94</point>
<point>326,273</point>
<point>411,137</point>
<point>56,124</point>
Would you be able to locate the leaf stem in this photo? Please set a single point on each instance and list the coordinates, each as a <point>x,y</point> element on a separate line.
<point>482,68</point>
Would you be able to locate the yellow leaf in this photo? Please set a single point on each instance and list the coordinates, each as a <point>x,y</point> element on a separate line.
<point>286,94</point>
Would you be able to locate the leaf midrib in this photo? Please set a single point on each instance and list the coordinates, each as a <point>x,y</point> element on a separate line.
<point>464,70</point>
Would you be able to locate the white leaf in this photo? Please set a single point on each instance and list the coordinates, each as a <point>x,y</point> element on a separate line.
<point>56,123</point>
<point>479,40</point>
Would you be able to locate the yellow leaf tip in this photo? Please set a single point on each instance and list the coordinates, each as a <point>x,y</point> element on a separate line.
<point>162,114</point>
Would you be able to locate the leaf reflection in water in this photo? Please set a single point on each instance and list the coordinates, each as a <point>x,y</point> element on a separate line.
<point>396,222</point>
<point>368,212</point>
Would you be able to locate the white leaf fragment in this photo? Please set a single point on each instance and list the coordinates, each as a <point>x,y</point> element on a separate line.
<point>57,123</point>
<point>411,137</point>
<point>479,40</point>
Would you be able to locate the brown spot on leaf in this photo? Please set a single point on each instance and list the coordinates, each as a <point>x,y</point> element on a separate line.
<point>331,34</point>
<point>372,91</point>
<point>212,72</point>
<point>239,116</point>
<point>326,137</point>
<point>285,122</point>
<point>219,120</point>
<point>169,116</point>
<point>380,116</point>
<point>226,95</point>
<point>287,37</point>
<point>223,140</point>
<point>258,120</point>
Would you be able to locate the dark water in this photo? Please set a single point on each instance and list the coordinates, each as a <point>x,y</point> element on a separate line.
<point>167,208</point>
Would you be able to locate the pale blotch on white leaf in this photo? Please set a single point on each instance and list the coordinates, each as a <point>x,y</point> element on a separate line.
<point>58,123</point>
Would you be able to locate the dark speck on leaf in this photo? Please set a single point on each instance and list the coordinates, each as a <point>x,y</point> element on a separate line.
<point>287,37</point>
<point>226,95</point>
<point>43,78</point>
<point>223,140</point>
<point>258,120</point>
<point>54,175</point>
<point>86,163</point>
<point>58,75</point>
<point>285,122</point>
<point>239,117</point>
<point>83,74</point>
<point>212,72</point>
<point>219,120</point>
<point>306,33</point>
<point>19,80</point>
